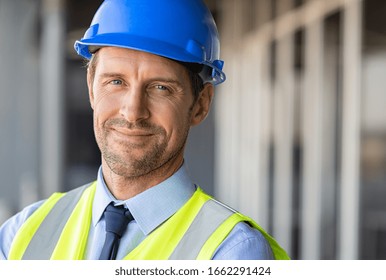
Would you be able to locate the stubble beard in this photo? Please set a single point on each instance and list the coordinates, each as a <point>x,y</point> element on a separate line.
<point>124,161</point>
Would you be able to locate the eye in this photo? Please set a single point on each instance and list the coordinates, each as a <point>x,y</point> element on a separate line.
<point>160,87</point>
<point>116,82</point>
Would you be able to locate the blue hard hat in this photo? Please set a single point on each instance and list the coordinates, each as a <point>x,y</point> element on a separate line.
<point>183,30</point>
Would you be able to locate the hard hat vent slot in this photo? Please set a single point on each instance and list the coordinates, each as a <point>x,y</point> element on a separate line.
<point>92,31</point>
<point>194,48</point>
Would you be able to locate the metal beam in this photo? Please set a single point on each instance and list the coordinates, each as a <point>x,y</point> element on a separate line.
<point>283,139</point>
<point>311,200</point>
<point>349,206</point>
<point>52,75</point>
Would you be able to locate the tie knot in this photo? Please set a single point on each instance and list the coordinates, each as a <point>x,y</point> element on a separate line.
<point>117,218</point>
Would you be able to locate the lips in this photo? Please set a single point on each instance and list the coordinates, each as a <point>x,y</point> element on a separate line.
<point>132,133</point>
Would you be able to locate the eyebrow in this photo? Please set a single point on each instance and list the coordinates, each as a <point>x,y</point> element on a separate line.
<point>110,75</point>
<point>168,81</point>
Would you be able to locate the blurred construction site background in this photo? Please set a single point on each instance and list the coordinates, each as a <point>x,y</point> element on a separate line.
<point>296,138</point>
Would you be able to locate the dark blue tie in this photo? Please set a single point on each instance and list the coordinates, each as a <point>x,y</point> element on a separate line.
<point>117,218</point>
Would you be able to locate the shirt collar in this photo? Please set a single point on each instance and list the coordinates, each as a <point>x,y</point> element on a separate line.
<point>151,207</point>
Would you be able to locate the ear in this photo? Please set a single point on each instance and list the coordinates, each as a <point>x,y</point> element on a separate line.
<point>90,88</point>
<point>202,105</point>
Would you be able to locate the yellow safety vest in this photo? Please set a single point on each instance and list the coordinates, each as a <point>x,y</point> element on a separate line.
<point>58,230</point>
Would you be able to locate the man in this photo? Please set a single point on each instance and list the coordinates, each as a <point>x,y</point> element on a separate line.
<point>151,76</point>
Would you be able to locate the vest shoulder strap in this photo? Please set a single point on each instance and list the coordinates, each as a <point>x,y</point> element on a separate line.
<point>211,215</point>
<point>47,234</point>
<point>224,229</point>
<point>211,226</point>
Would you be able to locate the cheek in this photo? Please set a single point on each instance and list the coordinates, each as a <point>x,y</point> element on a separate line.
<point>105,106</point>
<point>101,96</point>
<point>174,119</point>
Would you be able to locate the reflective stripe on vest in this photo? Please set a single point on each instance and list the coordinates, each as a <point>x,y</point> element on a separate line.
<point>210,217</point>
<point>193,232</point>
<point>46,237</point>
<point>73,236</point>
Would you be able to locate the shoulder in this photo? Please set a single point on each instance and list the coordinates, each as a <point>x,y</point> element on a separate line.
<point>244,243</point>
<point>9,229</point>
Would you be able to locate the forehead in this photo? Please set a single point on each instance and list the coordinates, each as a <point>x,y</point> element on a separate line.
<point>121,59</point>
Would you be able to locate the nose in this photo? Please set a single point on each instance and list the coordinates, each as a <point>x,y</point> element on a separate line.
<point>134,105</point>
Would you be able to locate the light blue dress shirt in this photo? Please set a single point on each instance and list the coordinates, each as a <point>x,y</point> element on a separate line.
<point>150,209</point>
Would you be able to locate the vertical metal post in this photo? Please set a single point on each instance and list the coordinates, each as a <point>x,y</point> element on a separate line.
<point>19,95</point>
<point>349,205</point>
<point>227,178</point>
<point>52,71</point>
<point>331,118</point>
<point>283,137</point>
<point>311,200</point>
<point>264,100</point>
<point>263,106</point>
<point>249,127</point>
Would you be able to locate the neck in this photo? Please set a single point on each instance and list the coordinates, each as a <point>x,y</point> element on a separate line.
<point>124,187</point>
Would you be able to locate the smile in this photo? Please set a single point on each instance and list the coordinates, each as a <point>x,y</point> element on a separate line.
<point>131,132</point>
<point>133,137</point>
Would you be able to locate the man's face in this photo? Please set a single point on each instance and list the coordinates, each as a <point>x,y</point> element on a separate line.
<point>143,109</point>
